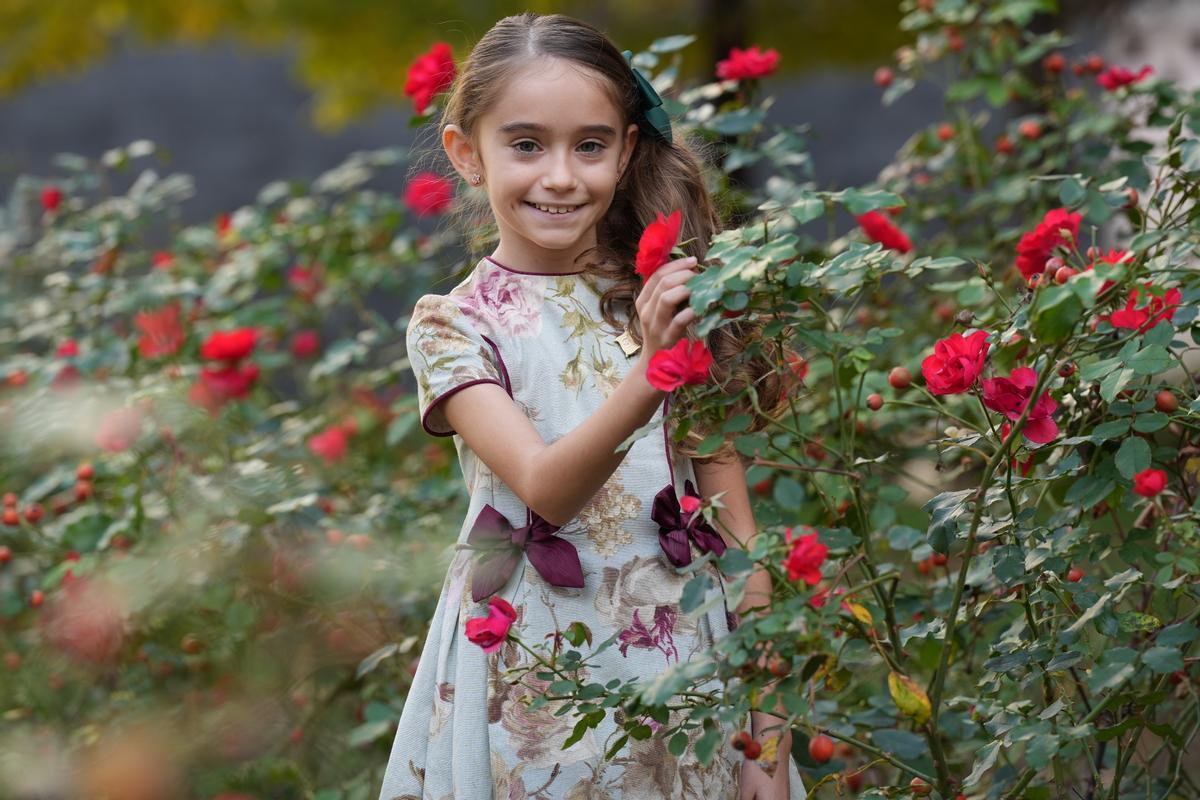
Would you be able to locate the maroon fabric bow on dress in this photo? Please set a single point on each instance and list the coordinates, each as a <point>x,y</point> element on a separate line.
<point>674,533</point>
<point>501,546</point>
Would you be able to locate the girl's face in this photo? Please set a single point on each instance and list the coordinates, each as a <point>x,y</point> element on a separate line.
<point>550,151</point>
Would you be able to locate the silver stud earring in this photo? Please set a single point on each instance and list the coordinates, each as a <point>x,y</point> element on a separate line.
<point>476,179</point>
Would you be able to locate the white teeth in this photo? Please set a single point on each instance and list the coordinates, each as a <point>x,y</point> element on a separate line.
<point>554,209</point>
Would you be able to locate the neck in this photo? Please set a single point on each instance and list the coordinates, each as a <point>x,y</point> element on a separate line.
<point>527,257</point>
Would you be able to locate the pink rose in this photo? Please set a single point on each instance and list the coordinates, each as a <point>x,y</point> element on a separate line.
<point>506,300</point>
<point>490,632</point>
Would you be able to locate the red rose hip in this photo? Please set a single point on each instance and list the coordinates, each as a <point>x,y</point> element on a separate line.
<point>820,748</point>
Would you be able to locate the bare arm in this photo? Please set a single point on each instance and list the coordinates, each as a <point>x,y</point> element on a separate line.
<point>557,480</point>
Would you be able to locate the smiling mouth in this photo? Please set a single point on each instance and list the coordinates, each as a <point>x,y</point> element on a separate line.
<point>553,210</point>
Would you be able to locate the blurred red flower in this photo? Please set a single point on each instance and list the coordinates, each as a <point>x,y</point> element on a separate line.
<point>881,229</point>
<point>1114,78</point>
<point>746,64</point>
<point>162,333</point>
<point>230,346</point>
<point>330,444</point>
<point>428,194</point>
<point>119,429</point>
<point>430,74</point>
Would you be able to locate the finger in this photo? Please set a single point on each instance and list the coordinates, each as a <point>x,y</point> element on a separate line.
<point>667,269</point>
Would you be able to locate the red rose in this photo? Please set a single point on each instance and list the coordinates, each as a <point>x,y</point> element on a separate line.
<point>1036,246</point>
<point>490,632</point>
<point>162,260</point>
<point>305,281</point>
<point>687,362</point>
<point>431,73</point>
<point>881,229</point>
<point>1113,257</point>
<point>1114,78</point>
<point>86,622</point>
<point>305,343</point>
<point>1146,317</point>
<point>1149,482</point>
<point>229,346</point>
<point>329,444</point>
<point>688,504</point>
<point>119,429</point>
<point>162,334</point>
<point>428,194</point>
<point>746,64</point>
<point>1010,395</point>
<point>229,382</point>
<point>956,363</point>
<point>51,198</point>
<point>68,349</point>
<point>654,248</point>
<point>799,365</point>
<point>806,556</point>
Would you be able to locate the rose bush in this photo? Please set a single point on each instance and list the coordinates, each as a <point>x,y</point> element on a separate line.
<point>970,655</point>
<point>219,550</point>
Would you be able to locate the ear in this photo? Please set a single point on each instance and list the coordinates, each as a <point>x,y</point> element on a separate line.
<point>461,152</point>
<point>631,135</point>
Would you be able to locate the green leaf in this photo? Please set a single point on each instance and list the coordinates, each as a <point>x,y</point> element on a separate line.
<point>706,745</point>
<point>904,538</point>
<point>902,744</point>
<point>1114,382</point>
<point>1055,313</point>
<point>1133,456</point>
<point>1163,659</point>
<point>670,44</point>
<point>1177,634</point>
<point>694,592</point>
<point>369,732</point>
<point>1149,423</point>
<point>860,202</point>
<point>806,209</point>
<point>1110,430</point>
<point>1151,360</point>
<point>985,759</point>
<point>788,493</point>
<point>1071,191</point>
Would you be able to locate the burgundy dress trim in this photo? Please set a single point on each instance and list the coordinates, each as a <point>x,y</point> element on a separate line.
<point>667,441</point>
<point>500,361</point>
<point>523,272</point>
<point>443,396</point>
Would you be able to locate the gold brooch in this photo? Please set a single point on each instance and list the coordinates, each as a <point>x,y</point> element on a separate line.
<point>628,344</point>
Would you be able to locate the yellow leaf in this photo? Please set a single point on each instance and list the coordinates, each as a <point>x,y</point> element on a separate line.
<point>860,613</point>
<point>909,697</point>
<point>769,755</point>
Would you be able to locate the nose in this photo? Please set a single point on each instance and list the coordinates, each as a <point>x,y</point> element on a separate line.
<point>559,176</point>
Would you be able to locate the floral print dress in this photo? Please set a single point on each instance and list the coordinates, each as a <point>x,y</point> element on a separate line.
<point>465,732</point>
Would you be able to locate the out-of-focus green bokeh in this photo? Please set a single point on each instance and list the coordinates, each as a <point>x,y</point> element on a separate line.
<point>355,54</point>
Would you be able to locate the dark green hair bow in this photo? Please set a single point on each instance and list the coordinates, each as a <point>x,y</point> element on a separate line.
<point>652,119</point>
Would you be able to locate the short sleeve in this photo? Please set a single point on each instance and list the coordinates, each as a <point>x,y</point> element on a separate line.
<point>447,354</point>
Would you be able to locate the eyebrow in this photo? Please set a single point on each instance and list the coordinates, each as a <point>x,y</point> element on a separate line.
<point>520,127</point>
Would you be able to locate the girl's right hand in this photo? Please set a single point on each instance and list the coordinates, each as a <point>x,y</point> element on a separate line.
<point>662,306</point>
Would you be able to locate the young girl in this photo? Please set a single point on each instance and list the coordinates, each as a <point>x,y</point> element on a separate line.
<point>533,364</point>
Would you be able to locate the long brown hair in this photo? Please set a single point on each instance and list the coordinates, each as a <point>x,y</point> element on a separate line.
<point>660,177</point>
